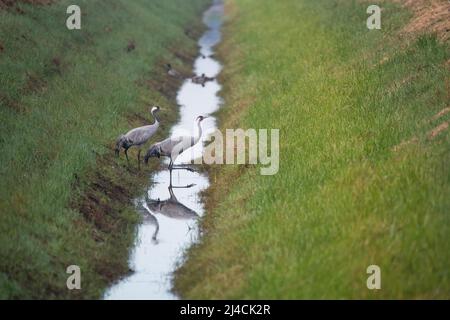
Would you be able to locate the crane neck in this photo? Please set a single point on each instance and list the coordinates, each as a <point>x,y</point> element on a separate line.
<point>156,117</point>
<point>199,132</point>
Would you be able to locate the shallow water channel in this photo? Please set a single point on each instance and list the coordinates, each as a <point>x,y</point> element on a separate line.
<point>170,215</point>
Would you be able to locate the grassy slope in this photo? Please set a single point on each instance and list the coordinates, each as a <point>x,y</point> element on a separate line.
<point>64,97</point>
<point>343,98</point>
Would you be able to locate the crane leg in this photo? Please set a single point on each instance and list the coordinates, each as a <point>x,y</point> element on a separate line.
<point>170,172</point>
<point>126,154</point>
<point>178,167</point>
<point>139,159</point>
<point>181,167</point>
<point>171,168</point>
<point>184,187</point>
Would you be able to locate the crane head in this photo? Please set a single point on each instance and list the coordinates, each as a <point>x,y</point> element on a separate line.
<point>155,108</point>
<point>201,118</point>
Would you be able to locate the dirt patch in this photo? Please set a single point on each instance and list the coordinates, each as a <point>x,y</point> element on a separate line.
<point>440,114</point>
<point>429,16</point>
<point>438,130</point>
<point>34,83</point>
<point>404,144</point>
<point>12,104</point>
<point>104,195</point>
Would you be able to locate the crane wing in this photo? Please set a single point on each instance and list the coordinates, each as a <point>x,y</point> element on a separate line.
<point>175,145</point>
<point>141,135</point>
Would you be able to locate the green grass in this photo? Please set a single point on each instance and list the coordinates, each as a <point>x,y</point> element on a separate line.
<point>64,98</point>
<point>343,97</point>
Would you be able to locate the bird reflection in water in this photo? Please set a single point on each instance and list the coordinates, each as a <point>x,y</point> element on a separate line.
<point>150,219</point>
<point>170,208</point>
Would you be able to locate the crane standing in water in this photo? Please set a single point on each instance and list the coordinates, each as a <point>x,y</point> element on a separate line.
<point>172,147</point>
<point>138,136</point>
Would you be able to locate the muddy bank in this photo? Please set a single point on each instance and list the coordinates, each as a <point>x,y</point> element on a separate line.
<point>428,17</point>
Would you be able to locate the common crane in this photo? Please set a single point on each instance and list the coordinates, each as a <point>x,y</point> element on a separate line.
<point>138,136</point>
<point>172,147</point>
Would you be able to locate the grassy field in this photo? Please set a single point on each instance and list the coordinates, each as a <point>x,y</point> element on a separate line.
<point>364,157</point>
<point>65,96</point>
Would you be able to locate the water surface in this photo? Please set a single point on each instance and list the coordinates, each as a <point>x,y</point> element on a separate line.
<point>170,215</point>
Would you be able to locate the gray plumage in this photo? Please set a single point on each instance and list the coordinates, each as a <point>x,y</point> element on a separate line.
<point>172,72</point>
<point>172,147</point>
<point>171,208</point>
<point>201,79</point>
<point>138,136</point>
